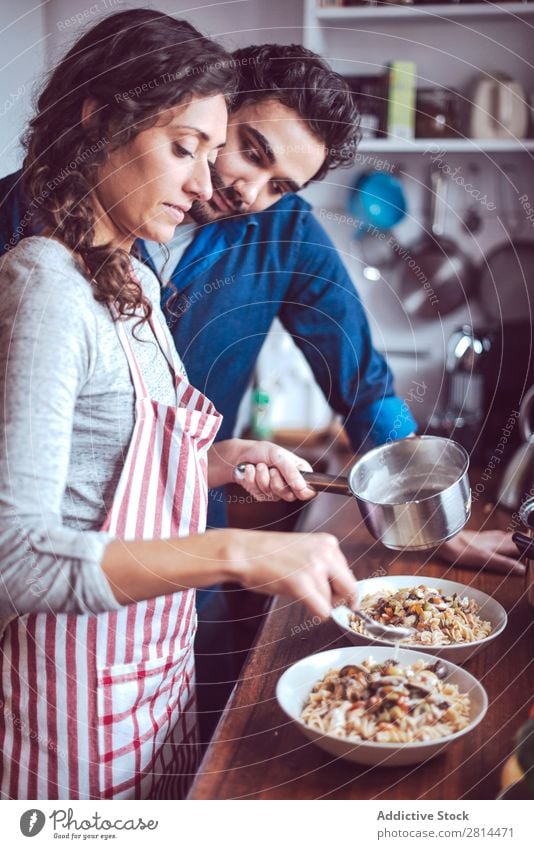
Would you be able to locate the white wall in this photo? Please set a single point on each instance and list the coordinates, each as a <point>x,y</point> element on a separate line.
<point>33,37</point>
<point>23,40</point>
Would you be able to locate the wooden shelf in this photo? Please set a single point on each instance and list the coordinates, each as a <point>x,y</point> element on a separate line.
<point>447,145</point>
<point>432,13</point>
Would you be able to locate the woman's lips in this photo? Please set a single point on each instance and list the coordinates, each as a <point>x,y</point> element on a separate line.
<point>176,212</point>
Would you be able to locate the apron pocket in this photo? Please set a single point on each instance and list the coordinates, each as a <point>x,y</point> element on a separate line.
<point>138,706</point>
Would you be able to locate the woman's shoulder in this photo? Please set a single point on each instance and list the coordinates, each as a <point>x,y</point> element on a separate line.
<point>40,265</point>
<point>39,278</point>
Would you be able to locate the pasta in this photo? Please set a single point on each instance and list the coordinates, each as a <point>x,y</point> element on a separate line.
<point>386,703</point>
<point>438,619</point>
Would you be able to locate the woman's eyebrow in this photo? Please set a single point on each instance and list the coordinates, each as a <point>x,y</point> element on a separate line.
<point>204,136</point>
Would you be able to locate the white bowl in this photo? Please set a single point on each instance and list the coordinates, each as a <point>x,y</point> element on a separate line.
<point>490,610</point>
<point>296,683</point>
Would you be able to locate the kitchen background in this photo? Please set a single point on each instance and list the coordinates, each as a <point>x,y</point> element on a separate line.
<point>473,142</point>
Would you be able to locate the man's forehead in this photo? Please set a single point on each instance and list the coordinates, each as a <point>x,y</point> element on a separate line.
<point>286,133</point>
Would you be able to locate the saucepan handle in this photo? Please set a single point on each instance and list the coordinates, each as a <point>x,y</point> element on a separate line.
<point>525,545</point>
<point>334,484</point>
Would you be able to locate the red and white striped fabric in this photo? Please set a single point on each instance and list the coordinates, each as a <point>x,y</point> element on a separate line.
<point>103,706</point>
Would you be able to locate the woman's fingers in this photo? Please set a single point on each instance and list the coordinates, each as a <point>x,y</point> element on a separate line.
<point>289,467</point>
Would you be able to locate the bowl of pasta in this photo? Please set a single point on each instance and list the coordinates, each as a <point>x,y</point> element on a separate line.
<point>448,619</point>
<point>366,706</point>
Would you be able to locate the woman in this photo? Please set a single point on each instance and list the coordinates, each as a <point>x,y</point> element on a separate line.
<point>107,452</point>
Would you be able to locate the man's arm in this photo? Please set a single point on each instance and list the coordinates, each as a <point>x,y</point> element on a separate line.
<point>324,314</point>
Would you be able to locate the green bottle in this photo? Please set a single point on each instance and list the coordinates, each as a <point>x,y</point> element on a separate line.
<point>260,420</point>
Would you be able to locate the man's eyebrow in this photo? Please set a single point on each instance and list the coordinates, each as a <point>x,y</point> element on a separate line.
<point>267,150</point>
<point>204,136</point>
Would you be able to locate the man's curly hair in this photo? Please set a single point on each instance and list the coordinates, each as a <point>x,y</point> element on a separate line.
<point>301,80</point>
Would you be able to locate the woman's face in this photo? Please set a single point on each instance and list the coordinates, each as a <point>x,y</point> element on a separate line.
<point>146,187</point>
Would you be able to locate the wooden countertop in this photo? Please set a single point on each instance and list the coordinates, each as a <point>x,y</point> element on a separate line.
<point>257,753</point>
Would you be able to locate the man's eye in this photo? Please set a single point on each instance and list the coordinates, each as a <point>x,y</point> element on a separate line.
<point>182,151</point>
<point>277,189</point>
<point>252,156</point>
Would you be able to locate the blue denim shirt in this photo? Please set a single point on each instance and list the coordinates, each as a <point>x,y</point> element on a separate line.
<point>234,279</point>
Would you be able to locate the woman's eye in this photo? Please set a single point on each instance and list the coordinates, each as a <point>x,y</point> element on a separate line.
<point>182,151</point>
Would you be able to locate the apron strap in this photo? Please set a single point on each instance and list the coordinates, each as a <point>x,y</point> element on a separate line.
<point>135,371</point>
<point>168,349</point>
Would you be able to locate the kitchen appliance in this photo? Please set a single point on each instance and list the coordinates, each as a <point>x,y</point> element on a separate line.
<point>499,108</point>
<point>526,514</point>
<point>518,479</point>
<point>506,280</point>
<point>462,412</point>
<point>487,371</point>
<point>436,275</point>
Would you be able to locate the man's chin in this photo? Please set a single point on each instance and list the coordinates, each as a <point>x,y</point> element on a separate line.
<point>205,213</point>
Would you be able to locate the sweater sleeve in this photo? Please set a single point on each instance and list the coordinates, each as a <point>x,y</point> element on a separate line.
<point>47,349</point>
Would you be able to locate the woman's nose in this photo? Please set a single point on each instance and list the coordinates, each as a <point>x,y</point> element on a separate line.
<point>199,183</point>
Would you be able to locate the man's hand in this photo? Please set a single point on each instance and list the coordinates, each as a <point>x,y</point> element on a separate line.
<point>493,551</point>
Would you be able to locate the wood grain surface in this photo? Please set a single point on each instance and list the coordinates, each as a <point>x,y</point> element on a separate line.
<point>257,753</point>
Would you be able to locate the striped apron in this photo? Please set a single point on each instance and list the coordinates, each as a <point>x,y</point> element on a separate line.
<point>103,706</point>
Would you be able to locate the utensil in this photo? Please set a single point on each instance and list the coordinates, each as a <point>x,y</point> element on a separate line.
<point>506,278</point>
<point>378,199</point>
<point>436,276</point>
<point>379,203</point>
<point>490,609</point>
<point>295,685</point>
<point>395,633</point>
<point>519,474</point>
<point>413,493</point>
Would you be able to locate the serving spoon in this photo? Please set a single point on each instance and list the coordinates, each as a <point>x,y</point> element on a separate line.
<point>394,633</point>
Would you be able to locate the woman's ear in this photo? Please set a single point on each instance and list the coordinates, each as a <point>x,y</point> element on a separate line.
<point>90,109</point>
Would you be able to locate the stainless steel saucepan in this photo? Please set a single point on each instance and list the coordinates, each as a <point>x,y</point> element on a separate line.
<point>412,493</point>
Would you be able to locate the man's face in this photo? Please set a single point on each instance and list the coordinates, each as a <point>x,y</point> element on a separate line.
<point>269,152</point>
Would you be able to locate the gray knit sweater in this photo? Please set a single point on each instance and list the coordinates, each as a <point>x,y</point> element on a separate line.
<point>66,423</point>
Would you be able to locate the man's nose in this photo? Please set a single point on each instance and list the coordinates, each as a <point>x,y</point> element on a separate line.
<point>249,190</point>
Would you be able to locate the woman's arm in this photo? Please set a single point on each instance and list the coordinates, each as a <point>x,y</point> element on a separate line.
<point>47,340</point>
<point>305,567</point>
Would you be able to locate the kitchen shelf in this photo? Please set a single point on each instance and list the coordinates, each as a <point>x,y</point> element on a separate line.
<point>434,13</point>
<point>447,145</point>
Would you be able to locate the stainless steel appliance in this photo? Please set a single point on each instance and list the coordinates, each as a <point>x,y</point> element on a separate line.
<point>487,371</point>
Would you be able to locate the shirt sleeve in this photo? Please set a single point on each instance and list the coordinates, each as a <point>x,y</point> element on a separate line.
<point>47,348</point>
<point>327,320</point>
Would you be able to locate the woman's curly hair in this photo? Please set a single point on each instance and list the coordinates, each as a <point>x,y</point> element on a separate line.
<point>134,64</point>
<point>304,82</point>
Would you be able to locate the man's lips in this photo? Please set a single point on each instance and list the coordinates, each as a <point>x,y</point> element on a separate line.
<point>219,200</point>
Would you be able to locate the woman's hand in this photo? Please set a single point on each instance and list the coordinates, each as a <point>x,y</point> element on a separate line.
<point>271,472</point>
<point>493,551</point>
<point>305,567</point>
